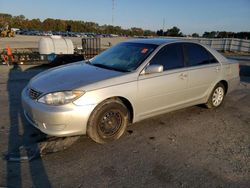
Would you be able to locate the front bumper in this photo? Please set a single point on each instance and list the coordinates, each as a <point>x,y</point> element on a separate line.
<point>65,120</point>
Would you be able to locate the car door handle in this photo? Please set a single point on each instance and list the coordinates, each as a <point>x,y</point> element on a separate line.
<point>183,76</point>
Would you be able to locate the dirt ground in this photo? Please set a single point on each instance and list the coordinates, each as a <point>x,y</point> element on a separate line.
<point>193,147</point>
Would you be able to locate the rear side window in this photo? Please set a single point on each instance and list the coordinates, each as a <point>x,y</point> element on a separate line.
<point>170,56</point>
<point>198,55</point>
<point>212,59</point>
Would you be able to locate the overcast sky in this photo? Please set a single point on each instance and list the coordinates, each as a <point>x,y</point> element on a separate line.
<point>189,15</point>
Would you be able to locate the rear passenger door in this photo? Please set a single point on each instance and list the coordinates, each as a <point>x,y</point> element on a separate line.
<point>159,91</point>
<point>203,70</point>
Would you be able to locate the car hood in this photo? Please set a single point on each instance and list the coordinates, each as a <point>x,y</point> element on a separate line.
<point>69,77</point>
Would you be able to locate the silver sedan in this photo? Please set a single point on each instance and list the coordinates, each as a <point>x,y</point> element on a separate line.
<point>127,83</point>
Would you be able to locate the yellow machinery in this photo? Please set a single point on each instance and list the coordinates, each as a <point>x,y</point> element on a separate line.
<point>7,32</point>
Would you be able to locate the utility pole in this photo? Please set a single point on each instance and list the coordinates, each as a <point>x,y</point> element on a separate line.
<point>113,10</point>
<point>163,25</point>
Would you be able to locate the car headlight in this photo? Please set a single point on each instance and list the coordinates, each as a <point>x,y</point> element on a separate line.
<point>60,98</point>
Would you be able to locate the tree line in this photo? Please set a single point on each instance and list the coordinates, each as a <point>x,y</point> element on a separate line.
<point>50,24</point>
<point>175,32</point>
<point>225,34</point>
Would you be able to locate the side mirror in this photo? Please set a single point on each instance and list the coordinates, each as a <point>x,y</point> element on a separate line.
<point>153,69</point>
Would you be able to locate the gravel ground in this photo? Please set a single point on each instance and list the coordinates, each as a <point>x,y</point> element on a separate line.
<point>193,147</point>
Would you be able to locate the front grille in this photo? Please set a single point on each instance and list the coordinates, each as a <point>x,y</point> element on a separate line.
<point>33,94</point>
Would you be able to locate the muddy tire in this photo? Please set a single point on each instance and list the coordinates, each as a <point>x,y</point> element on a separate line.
<point>108,121</point>
<point>216,97</point>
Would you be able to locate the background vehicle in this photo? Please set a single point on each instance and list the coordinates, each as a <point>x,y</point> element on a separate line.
<point>127,83</point>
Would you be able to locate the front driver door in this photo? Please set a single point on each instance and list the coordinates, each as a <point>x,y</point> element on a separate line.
<point>159,91</point>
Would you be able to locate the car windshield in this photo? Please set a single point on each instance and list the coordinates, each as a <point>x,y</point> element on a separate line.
<point>124,57</point>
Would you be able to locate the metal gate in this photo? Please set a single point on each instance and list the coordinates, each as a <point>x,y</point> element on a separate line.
<point>91,47</point>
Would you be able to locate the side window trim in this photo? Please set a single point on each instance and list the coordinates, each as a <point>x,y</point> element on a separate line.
<point>185,55</point>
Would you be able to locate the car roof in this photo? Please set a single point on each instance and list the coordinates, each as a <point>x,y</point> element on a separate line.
<point>155,41</point>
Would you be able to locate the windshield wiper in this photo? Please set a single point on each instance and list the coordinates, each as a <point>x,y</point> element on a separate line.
<point>107,67</point>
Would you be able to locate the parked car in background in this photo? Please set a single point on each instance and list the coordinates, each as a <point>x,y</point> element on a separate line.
<point>50,33</point>
<point>127,83</point>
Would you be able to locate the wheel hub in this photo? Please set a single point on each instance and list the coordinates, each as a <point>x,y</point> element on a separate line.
<point>218,96</point>
<point>110,123</point>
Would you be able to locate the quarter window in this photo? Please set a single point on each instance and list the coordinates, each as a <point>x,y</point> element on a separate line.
<point>170,56</point>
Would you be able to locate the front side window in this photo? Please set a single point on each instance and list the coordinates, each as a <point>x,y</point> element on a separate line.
<point>170,56</point>
<point>124,57</point>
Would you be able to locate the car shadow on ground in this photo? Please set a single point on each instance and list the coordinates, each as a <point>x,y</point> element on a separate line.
<point>21,133</point>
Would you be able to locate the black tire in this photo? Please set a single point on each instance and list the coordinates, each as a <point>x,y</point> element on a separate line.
<point>210,103</point>
<point>108,121</point>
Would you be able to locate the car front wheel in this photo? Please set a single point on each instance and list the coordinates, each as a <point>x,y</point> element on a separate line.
<point>108,121</point>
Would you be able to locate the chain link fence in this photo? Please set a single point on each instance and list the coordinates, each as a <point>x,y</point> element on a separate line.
<point>226,44</point>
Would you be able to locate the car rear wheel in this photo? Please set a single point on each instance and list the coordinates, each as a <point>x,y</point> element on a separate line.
<point>217,96</point>
<point>108,121</point>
